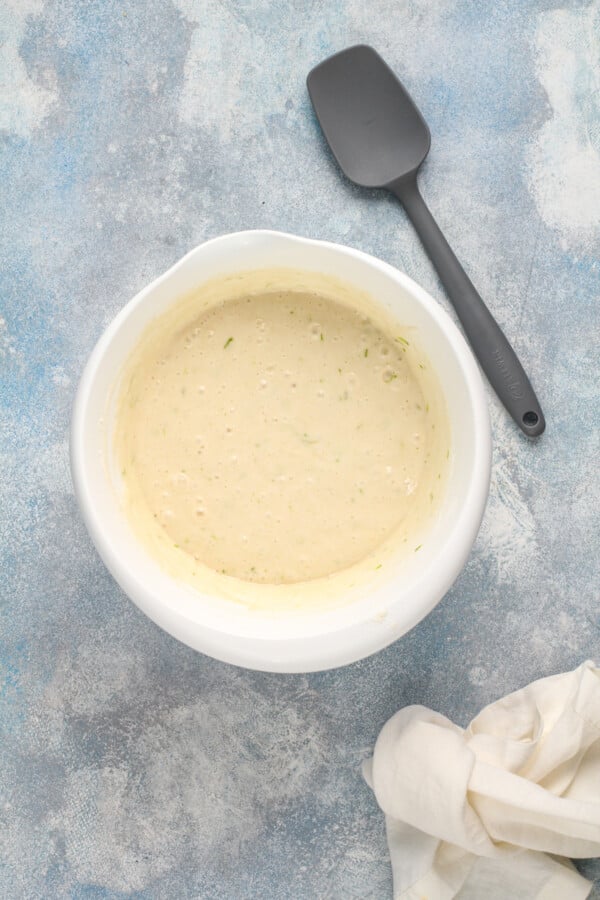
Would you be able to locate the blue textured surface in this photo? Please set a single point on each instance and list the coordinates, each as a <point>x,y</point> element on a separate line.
<point>130,765</point>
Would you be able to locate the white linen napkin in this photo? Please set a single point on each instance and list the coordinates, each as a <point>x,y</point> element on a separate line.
<point>484,812</point>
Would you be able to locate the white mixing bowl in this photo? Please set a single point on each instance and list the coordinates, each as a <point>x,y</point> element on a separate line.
<point>314,639</point>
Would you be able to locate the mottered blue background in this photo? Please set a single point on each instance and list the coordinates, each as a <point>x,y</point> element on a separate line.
<point>131,131</point>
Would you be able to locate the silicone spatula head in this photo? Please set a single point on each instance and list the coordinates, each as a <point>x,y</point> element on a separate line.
<point>374,129</point>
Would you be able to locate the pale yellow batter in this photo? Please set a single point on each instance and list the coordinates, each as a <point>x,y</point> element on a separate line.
<point>277,433</point>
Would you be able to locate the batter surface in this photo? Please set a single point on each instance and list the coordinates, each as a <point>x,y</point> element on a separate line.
<point>278,436</point>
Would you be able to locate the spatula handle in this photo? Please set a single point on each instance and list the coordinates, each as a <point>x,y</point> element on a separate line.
<point>496,356</point>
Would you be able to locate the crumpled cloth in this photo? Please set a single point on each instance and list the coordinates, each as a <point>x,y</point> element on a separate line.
<point>492,812</point>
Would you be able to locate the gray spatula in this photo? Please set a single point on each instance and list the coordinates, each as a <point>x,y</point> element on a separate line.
<point>380,139</point>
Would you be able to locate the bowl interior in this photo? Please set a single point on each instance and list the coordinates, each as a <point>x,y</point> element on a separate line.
<point>385,610</point>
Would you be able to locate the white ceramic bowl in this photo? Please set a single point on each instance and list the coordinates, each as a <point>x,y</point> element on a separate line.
<point>315,639</point>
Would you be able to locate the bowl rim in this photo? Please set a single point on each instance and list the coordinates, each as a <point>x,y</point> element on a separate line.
<point>333,646</point>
